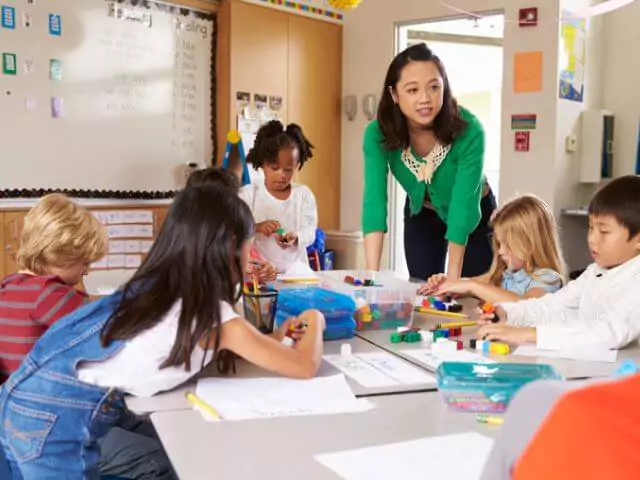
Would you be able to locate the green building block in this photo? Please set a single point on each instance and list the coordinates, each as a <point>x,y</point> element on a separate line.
<point>396,337</point>
<point>413,337</point>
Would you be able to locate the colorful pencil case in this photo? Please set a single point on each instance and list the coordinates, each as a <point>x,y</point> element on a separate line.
<point>475,387</point>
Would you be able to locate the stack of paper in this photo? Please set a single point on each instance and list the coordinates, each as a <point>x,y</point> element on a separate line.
<point>451,457</point>
<point>251,398</point>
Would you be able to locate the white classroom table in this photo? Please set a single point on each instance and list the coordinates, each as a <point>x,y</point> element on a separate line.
<point>283,448</point>
<point>175,399</point>
<point>569,369</point>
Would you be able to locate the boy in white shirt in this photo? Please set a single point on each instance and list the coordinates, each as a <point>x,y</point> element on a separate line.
<point>600,308</point>
<point>285,213</point>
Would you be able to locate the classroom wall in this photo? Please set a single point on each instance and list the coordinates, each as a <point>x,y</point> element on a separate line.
<point>369,47</point>
<point>621,70</point>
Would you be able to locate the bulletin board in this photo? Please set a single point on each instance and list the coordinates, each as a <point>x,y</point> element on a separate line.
<point>104,95</point>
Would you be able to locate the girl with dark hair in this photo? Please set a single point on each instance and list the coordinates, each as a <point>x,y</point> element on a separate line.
<point>173,317</point>
<point>258,266</point>
<point>286,214</point>
<point>435,150</point>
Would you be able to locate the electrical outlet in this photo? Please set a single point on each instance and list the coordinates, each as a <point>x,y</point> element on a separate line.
<point>571,143</point>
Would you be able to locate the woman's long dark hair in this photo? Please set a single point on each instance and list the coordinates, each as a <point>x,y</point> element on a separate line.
<point>392,122</point>
<point>196,258</point>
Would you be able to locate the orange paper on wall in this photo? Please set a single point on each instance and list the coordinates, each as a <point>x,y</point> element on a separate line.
<point>527,72</point>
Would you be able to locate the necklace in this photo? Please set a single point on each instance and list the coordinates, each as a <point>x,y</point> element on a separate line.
<point>424,170</point>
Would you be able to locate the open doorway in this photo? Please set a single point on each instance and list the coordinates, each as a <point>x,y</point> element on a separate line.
<point>471,50</point>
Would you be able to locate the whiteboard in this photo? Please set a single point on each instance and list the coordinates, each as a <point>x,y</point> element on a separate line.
<point>130,89</point>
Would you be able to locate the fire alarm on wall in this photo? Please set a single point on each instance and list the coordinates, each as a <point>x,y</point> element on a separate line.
<point>528,17</point>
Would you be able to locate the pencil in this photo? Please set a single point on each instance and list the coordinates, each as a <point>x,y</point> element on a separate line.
<point>198,402</point>
<point>489,419</point>
<point>256,299</point>
<point>440,312</point>
<point>300,280</point>
<point>456,324</point>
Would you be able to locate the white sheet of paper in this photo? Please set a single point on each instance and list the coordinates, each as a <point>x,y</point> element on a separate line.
<point>298,270</point>
<point>102,263</point>
<point>453,457</point>
<point>587,355</point>
<point>145,245</point>
<point>115,261</point>
<point>101,216</point>
<point>116,246</point>
<point>137,216</point>
<point>360,371</point>
<point>114,217</point>
<point>250,398</point>
<point>117,231</point>
<point>132,261</point>
<point>379,369</point>
<point>397,368</point>
<point>433,361</point>
<point>140,231</point>
<point>132,246</point>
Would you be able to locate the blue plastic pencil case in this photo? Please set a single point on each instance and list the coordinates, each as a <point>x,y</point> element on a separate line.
<point>481,387</point>
<point>337,308</point>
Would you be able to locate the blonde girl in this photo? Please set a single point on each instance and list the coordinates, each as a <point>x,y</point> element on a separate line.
<point>527,260</point>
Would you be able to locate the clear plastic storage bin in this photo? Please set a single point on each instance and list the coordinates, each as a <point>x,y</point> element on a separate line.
<point>386,305</point>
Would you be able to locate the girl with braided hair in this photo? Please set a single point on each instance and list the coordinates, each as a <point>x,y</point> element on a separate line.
<point>285,212</point>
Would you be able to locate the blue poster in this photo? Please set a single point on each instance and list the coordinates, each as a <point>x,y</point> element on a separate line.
<point>55,24</point>
<point>8,17</point>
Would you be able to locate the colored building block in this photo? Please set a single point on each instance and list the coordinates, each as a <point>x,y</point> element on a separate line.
<point>454,307</point>
<point>413,337</point>
<point>438,305</point>
<point>455,332</point>
<point>396,337</point>
<point>499,348</point>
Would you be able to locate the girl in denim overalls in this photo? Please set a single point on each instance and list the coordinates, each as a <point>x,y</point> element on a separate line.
<point>170,320</point>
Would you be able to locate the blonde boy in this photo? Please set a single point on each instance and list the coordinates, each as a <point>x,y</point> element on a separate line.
<point>59,241</point>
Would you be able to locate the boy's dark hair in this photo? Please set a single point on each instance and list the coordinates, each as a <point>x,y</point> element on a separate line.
<point>447,125</point>
<point>195,259</point>
<point>619,198</point>
<point>273,137</point>
<point>214,176</point>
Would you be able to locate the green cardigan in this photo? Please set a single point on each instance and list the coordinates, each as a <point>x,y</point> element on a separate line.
<point>455,190</point>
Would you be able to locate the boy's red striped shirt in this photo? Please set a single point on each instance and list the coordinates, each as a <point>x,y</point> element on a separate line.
<point>29,305</point>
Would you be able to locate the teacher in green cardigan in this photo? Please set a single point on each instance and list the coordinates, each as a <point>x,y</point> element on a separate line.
<point>435,151</point>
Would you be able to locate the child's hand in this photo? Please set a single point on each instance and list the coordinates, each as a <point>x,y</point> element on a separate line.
<point>297,333</point>
<point>266,271</point>
<point>462,286</point>
<point>432,284</point>
<point>507,333</point>
<point>288,240</point>
<point>499,316</point>
<point>267,228</point>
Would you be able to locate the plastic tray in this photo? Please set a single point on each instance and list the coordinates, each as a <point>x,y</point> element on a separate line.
<point>475,387</point>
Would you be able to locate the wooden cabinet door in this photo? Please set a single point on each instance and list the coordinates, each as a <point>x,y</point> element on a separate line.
<point>13,223</point>
<point>315,90</point>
